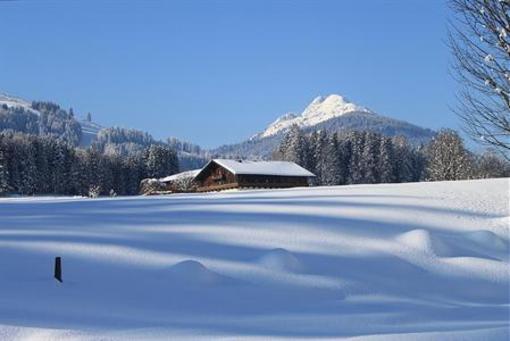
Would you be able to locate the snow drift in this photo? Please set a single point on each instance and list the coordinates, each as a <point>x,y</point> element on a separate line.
<point>421,261</point>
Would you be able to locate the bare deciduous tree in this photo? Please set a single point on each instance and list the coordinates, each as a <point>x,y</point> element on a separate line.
<point>480,42</point>
<point>447,157</point>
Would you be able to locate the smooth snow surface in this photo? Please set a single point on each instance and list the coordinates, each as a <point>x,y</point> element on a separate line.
<point>321,109</point>
<point>280,168</point>
<point>427,261</point>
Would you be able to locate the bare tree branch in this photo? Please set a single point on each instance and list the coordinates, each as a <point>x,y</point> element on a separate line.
<point>480,42</point>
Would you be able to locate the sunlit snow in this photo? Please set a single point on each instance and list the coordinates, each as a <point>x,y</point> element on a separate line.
<point>420,261</point>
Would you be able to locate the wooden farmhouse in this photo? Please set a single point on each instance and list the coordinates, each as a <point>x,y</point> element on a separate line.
<point>221,174</point>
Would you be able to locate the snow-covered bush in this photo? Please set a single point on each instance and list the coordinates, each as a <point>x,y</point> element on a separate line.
<point>94,191</point>
<point>150,186</point>
<point>184,183</point>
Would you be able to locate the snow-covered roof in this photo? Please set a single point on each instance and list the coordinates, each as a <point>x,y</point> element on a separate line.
<point>279,168</point>
<point>187,174</point>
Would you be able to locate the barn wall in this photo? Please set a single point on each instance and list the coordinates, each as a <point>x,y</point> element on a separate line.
<point>271,181</point>
<point>217,178</point>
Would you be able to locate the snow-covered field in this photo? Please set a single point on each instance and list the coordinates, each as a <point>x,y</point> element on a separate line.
<point>406,261</point>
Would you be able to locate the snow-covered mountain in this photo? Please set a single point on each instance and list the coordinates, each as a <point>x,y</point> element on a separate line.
<point>320,110</point>
<point>333,113</point>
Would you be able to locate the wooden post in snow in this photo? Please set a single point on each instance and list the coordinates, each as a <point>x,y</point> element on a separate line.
<point>58,269</point>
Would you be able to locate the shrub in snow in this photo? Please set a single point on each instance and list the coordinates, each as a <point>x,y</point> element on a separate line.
<point>184,183</point>
<point>151,186</point>
<point>94,191</point>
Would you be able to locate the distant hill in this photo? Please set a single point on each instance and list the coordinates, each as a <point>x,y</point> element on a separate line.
<point>39,118</point>
<point>89,131</point>
<point>47,118</point>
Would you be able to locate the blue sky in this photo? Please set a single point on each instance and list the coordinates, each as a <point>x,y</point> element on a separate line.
<point>215,72</point>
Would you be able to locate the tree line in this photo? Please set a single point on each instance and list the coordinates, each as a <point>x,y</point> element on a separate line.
<point>362,157</point>
<point>31,164</point>
<point>44,165</point>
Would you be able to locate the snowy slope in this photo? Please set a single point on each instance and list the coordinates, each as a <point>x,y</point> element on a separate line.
<point>89,131</point>
<point>423,261</point>
<point>321,109</point>
<point>12,101</point>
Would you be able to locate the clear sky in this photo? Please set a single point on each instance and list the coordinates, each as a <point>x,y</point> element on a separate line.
<point>215,72</point>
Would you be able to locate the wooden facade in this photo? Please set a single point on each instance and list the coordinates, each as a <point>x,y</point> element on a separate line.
<point>215,177</point>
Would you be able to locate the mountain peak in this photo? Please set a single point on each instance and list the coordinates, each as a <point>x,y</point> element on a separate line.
<point>321,109</point>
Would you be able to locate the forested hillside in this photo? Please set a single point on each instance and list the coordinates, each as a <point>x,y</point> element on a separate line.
<point>31,164</point>
<point>47,119</point>
<point>42,119</point>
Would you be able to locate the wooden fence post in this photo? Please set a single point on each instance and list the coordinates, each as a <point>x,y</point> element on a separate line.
<point>58,269</point>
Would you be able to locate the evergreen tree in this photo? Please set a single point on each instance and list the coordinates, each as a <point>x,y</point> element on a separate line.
<point>42,155</point>
<point>281,152</point>
<point>370,159</point>
<point>4,173</point>
<point>313,157</point>
<point>297,149</point>
<point>345,153</point>
<point>387,162</point>
<point>60,169</point>
<point>27,169</point>
<point>356,170</point>
<point>331,164</point>
<point>404,166</point>
<point>106,181</point>
<point>134,173</point>
<point>161,161</point>
<point>79,174</point>
<point>94,177</point>
<point>319,155</point>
